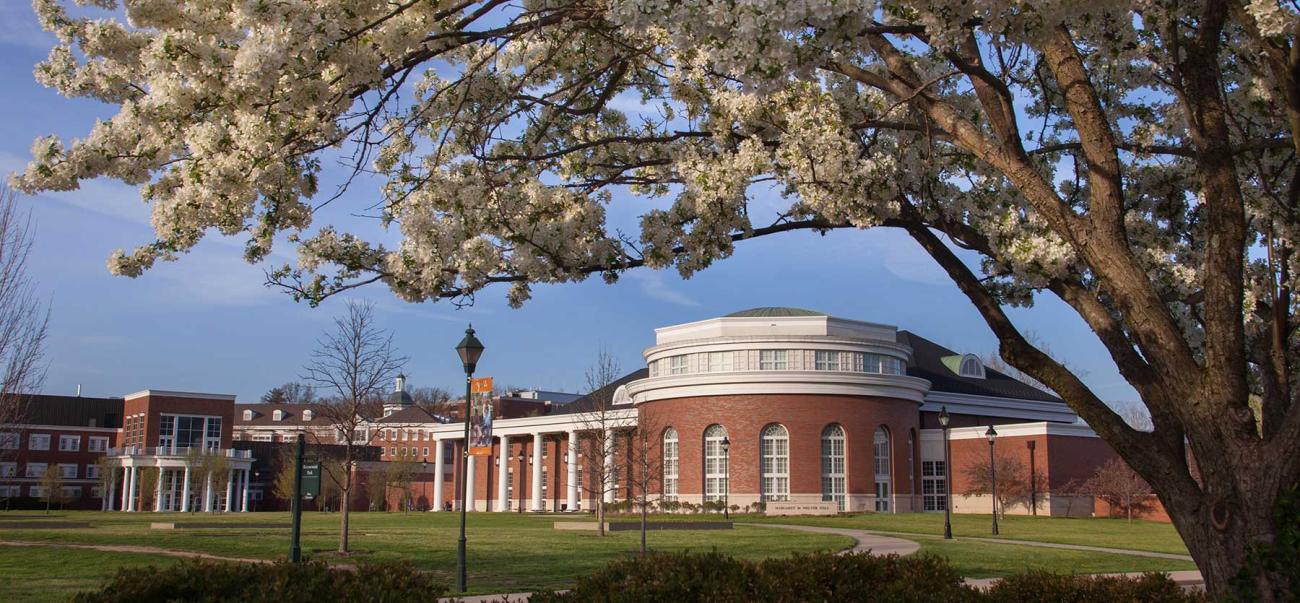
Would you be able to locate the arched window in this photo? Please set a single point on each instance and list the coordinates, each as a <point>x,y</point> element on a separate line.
<point>670,464</point>
<point>715,463</point>
<point>833,486</point>
<point>774,464</point>
<point>971,366</point>
<point>880,443</point>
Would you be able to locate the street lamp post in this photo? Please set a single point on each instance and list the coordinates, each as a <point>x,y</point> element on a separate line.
<point>992,434</point>
<point>1033,479</point>
<point>726,478</point>
<point>947,477</point>
<point>469,349</point>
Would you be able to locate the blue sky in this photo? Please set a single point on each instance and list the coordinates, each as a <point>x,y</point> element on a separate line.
<point>206,323</point>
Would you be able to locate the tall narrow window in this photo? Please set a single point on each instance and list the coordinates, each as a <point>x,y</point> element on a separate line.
<point>880,443</point>
<point>772,360</point>
<point>721,361</point>
<point>715,463</point>
<point>833,465</point>
<point>827,361</point>
<point>934,486</point>
<point>775,463</point>
<point>670,464</point>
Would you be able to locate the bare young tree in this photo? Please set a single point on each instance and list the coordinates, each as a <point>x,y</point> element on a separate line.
<point>354,361</point>
<point>645,465</point>
<point>23,318</point>
<point>598,424</point>
<point>1121,487</point>
<point>1012,481</point>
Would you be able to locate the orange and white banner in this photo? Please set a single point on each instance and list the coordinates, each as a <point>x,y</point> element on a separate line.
<point>480,417</point>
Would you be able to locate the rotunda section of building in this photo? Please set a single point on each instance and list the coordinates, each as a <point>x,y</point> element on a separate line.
<point>783,404</point>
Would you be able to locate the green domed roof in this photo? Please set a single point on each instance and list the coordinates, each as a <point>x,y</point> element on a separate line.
<point>773,312</point>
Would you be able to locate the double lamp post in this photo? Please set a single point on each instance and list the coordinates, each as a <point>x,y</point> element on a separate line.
<point>992,435</point>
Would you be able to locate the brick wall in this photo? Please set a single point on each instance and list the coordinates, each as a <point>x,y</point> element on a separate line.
<point>804,416</point>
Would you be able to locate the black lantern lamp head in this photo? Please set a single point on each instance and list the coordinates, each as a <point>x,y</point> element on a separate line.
<point>943,417</point>
<point>469,348</point>
<point>991,434</point>
<point>726,443</point>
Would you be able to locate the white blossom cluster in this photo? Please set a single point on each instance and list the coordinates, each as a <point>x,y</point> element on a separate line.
<point>519,123</point>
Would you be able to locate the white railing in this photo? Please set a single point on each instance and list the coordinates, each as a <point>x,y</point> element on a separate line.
<point>175,451</point>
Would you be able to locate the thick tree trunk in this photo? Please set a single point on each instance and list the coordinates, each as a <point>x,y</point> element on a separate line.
<point>1220,536</point>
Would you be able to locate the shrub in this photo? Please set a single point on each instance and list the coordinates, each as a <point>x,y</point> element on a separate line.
<point>1043,587</point>
<point>862,577</point>
<point>280,582</point>
<point>717,578</point>
<point>665,577</point>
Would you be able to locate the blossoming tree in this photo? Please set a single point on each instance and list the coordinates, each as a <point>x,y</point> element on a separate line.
<point>1135,159</point>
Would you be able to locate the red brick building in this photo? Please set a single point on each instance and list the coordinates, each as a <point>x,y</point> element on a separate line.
<point>771,406</point>
<point>67,434</point>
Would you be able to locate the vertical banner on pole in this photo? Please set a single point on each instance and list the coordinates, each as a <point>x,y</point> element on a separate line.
<point>480,418</point>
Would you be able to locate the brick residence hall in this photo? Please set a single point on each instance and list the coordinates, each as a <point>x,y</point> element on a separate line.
<point>784,406</point>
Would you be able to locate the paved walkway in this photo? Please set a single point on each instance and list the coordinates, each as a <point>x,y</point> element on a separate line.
<point>1188,579</point>
<point>131,548</point>
<point>866,542</point>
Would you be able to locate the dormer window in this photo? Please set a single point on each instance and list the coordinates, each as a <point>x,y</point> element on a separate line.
<point>248,415</point>
<point>278,415</point>
<point>308,414</point>
<point>971,366</point>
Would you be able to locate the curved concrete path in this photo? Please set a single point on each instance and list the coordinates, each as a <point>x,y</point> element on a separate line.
<point>866,542</point>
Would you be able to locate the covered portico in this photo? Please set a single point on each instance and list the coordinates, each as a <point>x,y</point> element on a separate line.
<point>182,479</point>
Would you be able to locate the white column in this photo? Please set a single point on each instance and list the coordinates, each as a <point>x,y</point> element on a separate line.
<point>243,507</point>
<point>207,493</point>
<point>112,486</point>
<point>572,494</point>
<point>230,491</point>
<point>438,465</point>
<point>157,495</point>
<point>538,445</point>
<point>608,485</point>
<point>469,483</point>
<point>128,486</point>
<point>185,490</point>
<point>503,468</point>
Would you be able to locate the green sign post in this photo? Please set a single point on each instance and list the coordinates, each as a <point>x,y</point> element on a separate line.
<point>310,479</point>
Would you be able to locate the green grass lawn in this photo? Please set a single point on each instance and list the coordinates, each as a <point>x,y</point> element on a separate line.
<point>507,552</point>
<point>1114,533</point>
<point>510,552</point>
<point>39,574</point>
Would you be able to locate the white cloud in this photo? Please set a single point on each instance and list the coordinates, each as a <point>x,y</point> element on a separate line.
<point>893,250</point>
<point>654,286</point>
<point>102,196</point>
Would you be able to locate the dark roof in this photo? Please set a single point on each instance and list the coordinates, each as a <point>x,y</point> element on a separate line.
<point>413,414</point>
<point>773,312</point>
<point>927,363</point>
<point>588,402</point>
<point>72,411</point>
<point>400,398</point>
<point>264,414</point>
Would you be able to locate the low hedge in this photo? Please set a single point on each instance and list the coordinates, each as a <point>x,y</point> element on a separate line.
<point>280,582</point>
<point>1044,587</point>
<point>922,578</point>
<point>715,577</point>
